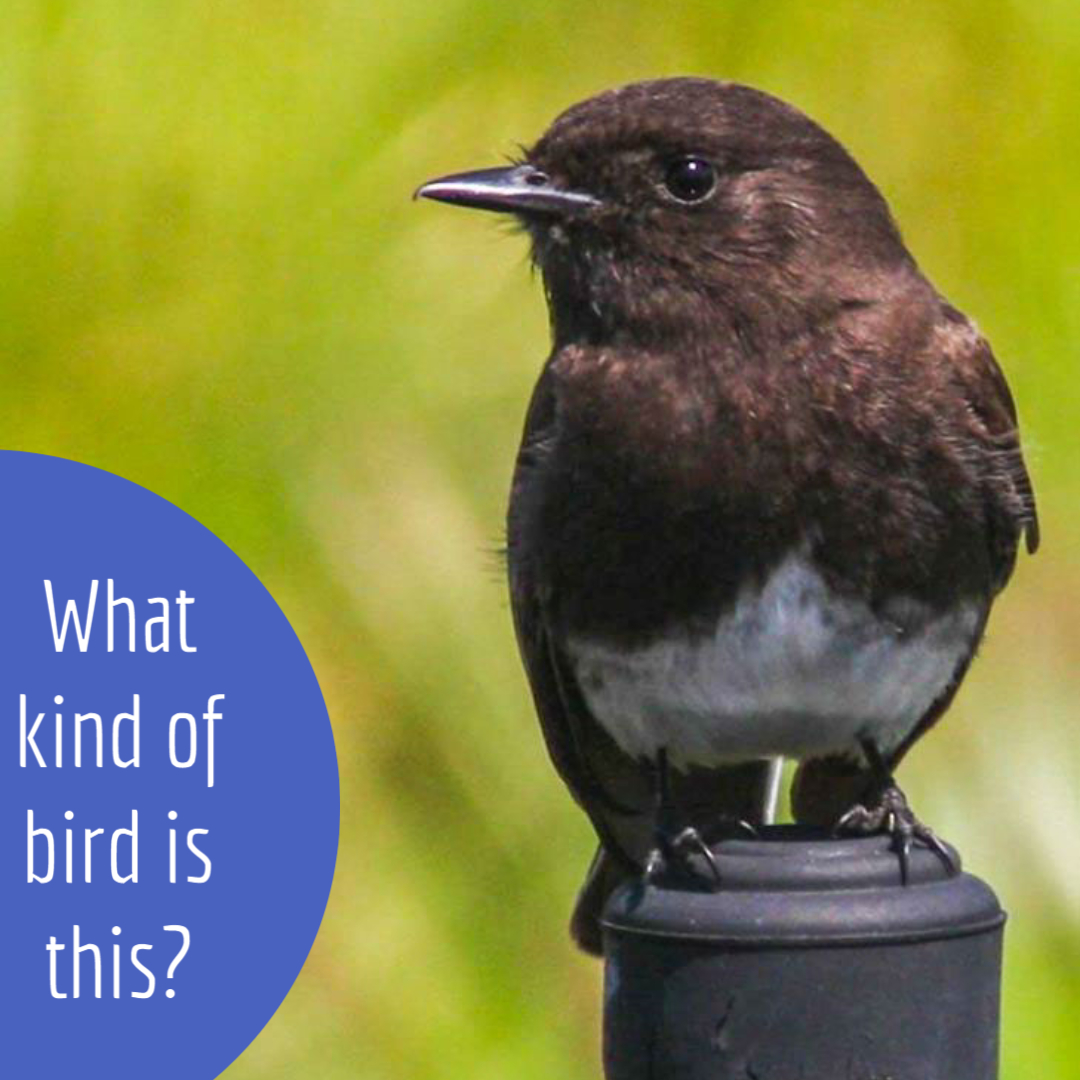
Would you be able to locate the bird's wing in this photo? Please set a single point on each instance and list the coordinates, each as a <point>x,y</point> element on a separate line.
<point>825,787</point>
<point>1008,497</point>
<point>617,791</point>
<point>612,788</point>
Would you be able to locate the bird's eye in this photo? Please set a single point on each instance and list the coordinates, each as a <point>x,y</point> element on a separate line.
<point>690,179</point>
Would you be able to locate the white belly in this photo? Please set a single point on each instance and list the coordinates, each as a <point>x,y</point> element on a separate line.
<point>793,670</point>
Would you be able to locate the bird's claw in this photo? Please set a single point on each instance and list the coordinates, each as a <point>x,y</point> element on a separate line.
<point>741,825</point>
<point>674,853</point>
<point>676,849</point>
<point>892,815</point>
<point>689,842</point>
<point>677,844</point>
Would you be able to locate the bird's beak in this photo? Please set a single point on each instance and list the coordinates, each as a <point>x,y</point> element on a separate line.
<point>515,189</point>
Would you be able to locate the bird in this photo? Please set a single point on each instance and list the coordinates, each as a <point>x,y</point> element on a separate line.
<point>769,485</point>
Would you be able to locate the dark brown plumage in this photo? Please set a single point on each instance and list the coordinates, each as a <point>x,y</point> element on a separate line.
<point>770,481</point>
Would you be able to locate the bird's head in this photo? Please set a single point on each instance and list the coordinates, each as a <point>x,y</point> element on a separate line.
<point>661,205</point>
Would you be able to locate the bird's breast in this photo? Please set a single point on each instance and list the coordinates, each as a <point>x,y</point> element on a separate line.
<point>670,483</point>
<point>648,502</point>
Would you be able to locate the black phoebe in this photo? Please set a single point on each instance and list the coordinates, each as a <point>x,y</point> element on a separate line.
<point>770,480</point>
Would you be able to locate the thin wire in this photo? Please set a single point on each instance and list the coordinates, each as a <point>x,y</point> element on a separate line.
<point>772,790</point>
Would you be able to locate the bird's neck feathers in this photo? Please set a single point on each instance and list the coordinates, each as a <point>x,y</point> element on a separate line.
<point>601,297</point>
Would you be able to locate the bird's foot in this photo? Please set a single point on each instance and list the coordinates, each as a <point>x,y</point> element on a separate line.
<point>680,855</point>
<point>684,853</point>
<point>889,813</point>
<point>681,852</point>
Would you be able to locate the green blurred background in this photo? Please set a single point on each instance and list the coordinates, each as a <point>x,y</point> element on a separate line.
<point>214,284</point>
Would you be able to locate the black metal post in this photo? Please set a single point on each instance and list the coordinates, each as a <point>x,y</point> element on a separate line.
<point>812,961</point>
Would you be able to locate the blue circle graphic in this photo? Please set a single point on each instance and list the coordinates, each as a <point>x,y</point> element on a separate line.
<point>169,792</point>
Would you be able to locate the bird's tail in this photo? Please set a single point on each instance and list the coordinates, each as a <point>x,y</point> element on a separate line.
<point>604,876</point>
